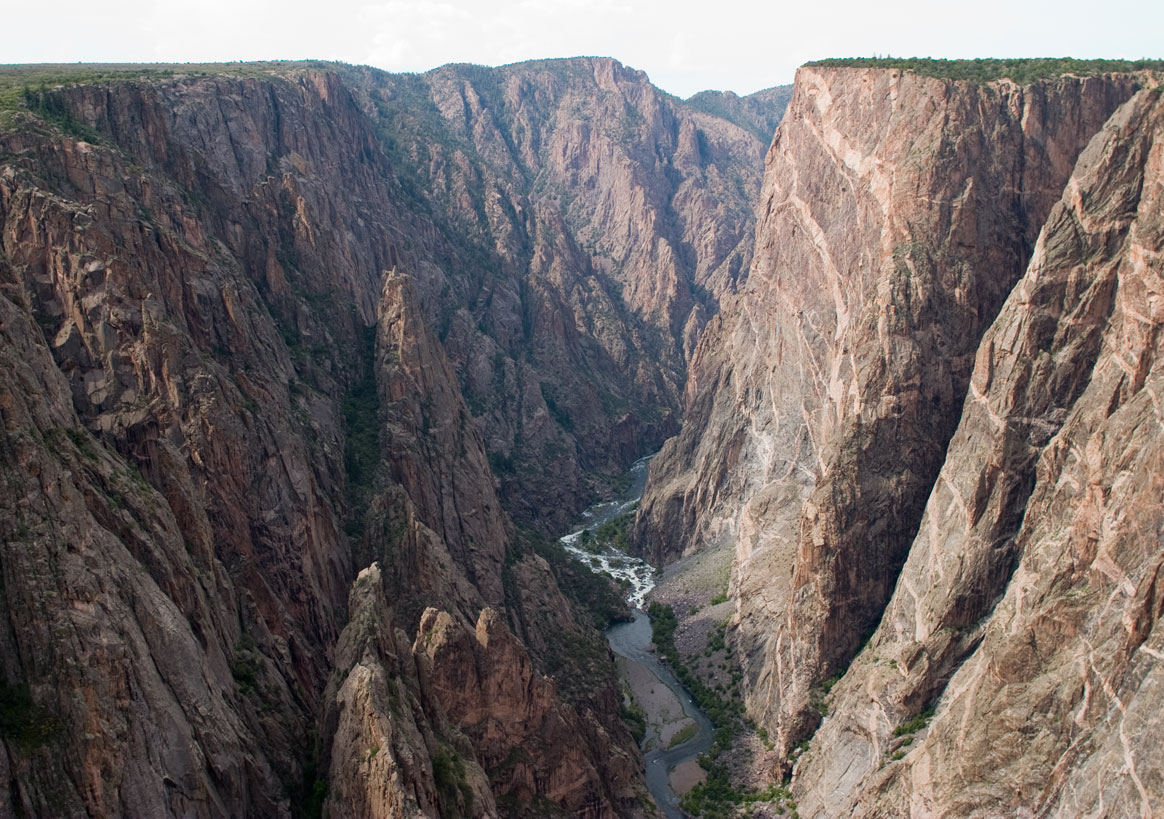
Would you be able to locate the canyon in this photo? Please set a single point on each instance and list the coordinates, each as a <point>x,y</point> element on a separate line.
<point>306,366</point>
<point>908,426</point>
<point>290,353</point>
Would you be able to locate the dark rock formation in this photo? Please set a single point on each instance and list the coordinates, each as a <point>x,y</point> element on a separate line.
<point>265,327</point>
<point>594,223</point>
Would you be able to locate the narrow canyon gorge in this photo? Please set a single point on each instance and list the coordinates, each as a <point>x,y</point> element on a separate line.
<point>310,372</point>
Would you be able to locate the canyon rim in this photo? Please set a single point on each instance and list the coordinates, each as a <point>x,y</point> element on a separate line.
<point>307,366</point>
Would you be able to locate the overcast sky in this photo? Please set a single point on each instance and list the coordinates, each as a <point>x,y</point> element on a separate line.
<point>684,46</point>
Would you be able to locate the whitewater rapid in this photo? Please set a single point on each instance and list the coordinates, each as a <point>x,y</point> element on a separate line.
<point>639,574</point>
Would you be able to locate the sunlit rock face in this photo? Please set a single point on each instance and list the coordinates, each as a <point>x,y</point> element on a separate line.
<point>928,425</point>
<point>1027,613</point>
<point>897,214</point>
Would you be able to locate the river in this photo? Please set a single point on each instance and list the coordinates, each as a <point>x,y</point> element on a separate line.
<point>633,640</point>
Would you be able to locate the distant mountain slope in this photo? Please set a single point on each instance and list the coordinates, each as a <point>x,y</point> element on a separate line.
<point>601,221</point>
<point>758,113</point>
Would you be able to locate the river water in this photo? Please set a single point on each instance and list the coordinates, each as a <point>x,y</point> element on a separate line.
<point>633,640</point>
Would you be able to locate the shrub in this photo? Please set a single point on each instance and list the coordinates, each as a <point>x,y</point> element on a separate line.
<point>1022,71</point>
<point>916,724</point>
<point>23,722</point>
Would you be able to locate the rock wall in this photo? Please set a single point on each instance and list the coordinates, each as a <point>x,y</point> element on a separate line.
<point>594,224</point>
<point>1027,614</point>
<point>195,551</point>
<point>229,386</point>
<point>897,213</point>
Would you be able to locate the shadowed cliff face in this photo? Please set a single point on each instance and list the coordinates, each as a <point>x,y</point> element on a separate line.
<point>595,223</point>
<point>897,213</point>
<point>174,604</point>
<point>245,356</point>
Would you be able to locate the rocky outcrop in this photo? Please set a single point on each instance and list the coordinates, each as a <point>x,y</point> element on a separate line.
<point>118,696</point>
<point>220,399</point>
<point>1027,616</point>
<point>527,739</point>
<point>389,755</point>
<point>145,274</point>
<point>432,448</point>
<point>493,726</point>
<point>898,212</point>
<point>595,222</point>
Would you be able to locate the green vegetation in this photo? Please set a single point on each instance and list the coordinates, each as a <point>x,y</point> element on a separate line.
<point>560,416</point>
<point>821,690</point>
<point>634,717</point>
<point>313,806</point>
<point>27,87</point>
<point>717,798</point>
<point>726,714</point>
<point>310,792</point>
<point>14,79</point>
<point>246,665</point>
<point>579,661</point>
<point>588,590</point>
<point>52,109</point>
<point>916,724</point>
<point>1021,71</point>
<point>23,722</point>
<point>56,440</point>
<point>615,532</point>
<point>683,734</point>
<point>448,771</point>
<point>717,640</point>
<point>361,409</point>
<point>712,797</point>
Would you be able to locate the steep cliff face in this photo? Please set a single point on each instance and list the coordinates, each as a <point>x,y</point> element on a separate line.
<point>898,211</point>
<point>599,222</point>
<point>393,752</point>
<point>221,399</point>
<point>469,722</point>
<point>209,569</point>
<point>431,446</point>
<point>527,739</point>
<point>1027,616</point>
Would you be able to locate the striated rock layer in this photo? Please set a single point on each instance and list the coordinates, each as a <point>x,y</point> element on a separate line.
<point>1028,611</point>
<point>246,357</point>
<point>175,573</point>
<point>897,214</point>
